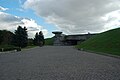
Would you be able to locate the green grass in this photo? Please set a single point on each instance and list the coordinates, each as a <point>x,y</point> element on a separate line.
<point>11,47</point>
<point>7,47</point>
<point>49,41</point>
<point>107,42</point>
<point>28,47</point>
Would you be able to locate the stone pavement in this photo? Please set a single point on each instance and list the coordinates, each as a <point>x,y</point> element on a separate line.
<point>58,63</point>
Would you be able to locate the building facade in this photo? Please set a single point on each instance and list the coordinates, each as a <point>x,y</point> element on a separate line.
<point>61,39</point>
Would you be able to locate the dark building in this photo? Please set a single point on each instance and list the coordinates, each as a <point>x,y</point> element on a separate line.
<point>61,39</point>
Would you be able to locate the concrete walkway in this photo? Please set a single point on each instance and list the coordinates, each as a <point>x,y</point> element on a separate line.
<point>58,63</point>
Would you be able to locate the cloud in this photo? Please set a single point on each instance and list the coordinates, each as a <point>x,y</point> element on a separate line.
<point>3,9</point>
<point>77,16</point>
<point>10,22</point>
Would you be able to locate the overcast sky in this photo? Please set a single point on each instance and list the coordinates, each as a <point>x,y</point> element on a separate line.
<point>68,16</point>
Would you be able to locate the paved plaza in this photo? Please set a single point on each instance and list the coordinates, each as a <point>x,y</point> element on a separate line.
<point>58,63</point>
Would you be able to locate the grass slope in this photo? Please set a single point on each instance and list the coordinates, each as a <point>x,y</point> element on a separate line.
<point>49,41</point>
<point>107,42</point>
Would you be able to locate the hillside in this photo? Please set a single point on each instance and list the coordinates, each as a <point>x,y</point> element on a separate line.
<point>49,41</point>
<point>107,42</point>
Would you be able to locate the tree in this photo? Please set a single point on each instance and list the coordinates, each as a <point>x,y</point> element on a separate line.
<point>1,39</point>
<point>6,37</point>
<point>35,41</point>
<point>30,42</point>
<point>25,37</point>
<point>39,39</point>
<point>21,37</point>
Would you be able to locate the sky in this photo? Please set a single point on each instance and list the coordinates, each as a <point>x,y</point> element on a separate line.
<point>68,16</point>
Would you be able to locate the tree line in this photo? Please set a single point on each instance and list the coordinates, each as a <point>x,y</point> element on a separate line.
<point>20,38</point>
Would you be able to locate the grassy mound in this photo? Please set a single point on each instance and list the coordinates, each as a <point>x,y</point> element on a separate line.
<point>49,41</point>
<point>107,42</point>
